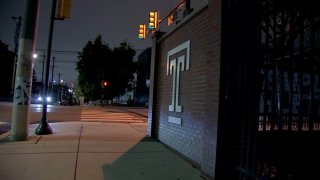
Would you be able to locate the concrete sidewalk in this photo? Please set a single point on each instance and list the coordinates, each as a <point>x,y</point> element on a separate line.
<point>92,151</point>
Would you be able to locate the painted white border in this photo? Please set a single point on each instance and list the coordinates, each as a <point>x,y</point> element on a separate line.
<point>184,60</point>
<point>174,120</point>
<point>185,45</point>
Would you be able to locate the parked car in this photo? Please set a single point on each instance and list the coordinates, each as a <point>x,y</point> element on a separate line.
<point>69,102</point>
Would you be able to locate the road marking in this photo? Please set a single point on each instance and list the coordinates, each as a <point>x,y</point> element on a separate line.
<point>107,116</point>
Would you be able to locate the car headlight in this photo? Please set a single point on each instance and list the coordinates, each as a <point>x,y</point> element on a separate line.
<point>48,99</point>
<point>39,99</point>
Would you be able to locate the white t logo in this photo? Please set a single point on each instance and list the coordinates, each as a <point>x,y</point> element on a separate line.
<point>175,67</point>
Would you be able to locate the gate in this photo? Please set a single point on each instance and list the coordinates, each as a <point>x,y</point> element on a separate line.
<point>271,75</point>
<point>289,103</point>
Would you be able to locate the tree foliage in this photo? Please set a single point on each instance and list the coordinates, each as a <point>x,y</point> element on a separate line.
<point>98,62</point>
<point>6,75</point>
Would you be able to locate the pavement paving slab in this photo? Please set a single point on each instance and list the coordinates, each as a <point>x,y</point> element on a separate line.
<point>90,165</point>
<point>150,160</point>
<point>37,166</point>
<point>92,151</point>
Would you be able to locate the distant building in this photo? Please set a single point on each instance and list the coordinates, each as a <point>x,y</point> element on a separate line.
<point>143,77</point>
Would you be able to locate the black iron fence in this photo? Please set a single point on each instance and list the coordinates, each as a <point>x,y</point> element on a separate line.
<point>290,92</point>
<point>289,103</point>
<point>270,102</point>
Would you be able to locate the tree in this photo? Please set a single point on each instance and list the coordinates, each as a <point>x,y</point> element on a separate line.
<point>98,63</point>
<point>6,62</point>
<point>90,67</point>
<point>123,70</point>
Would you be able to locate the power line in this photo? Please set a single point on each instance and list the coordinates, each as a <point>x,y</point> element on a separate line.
<point>66,61</point>
<point>60,51</point>
<point>72,51</point>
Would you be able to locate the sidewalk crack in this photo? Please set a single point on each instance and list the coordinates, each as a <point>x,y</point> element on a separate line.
<point>76,165</point>
<point>38,139</point>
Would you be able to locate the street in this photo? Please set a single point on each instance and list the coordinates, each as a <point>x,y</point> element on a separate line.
<point>56,113</point>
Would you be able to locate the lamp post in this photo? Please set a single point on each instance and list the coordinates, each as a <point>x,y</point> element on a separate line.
<point>63,12</point>
<point>44,127</point>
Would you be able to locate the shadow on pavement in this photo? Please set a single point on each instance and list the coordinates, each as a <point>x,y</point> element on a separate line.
<point>149,159</point>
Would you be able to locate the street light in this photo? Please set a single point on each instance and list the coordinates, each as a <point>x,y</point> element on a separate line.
<point>44,127</point>
<point>35,56</point>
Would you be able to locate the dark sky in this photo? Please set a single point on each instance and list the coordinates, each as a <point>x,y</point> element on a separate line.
<point>115,20</point>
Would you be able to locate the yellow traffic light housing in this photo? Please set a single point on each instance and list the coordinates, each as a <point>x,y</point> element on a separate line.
<point>142,31</point>
<point>153,19</point>
<point>64,8</point>
<point>170,19</point>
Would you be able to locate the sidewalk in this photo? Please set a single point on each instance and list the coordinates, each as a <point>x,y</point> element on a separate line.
<point>92,151</point>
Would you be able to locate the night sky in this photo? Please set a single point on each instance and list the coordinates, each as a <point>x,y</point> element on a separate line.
<point>115,20</point>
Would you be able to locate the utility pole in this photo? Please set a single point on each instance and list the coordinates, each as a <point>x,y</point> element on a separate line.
<point>59,78</point>
<point>60,87</point>
<point>44,58</point>
<point>52,71</point>
<point>23,76</point>
<point>18,21</point>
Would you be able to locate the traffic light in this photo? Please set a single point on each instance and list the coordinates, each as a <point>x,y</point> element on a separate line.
<point>104,83</point>
<point>170,19</point>
<point>64,8</point>
<point>142,31</point>
<point>153,19</point>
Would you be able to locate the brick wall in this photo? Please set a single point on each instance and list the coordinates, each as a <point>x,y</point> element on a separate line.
<point>195,138</point>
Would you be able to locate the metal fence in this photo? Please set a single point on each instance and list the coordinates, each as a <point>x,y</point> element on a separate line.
<point>270,97</point>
